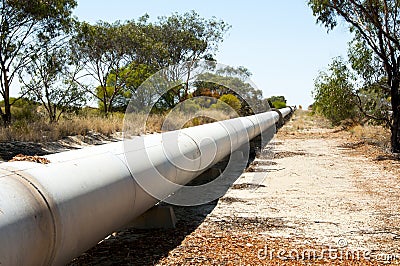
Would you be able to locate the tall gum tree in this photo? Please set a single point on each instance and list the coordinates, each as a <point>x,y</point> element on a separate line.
<point>21,21</point>
<point>377,23</point>
<point>102,50</point>
<point>180,41</point>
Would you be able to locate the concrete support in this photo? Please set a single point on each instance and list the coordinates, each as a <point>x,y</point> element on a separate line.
<point>158,217</point>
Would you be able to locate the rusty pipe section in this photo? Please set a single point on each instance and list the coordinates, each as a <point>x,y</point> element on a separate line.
<point>51,213</point>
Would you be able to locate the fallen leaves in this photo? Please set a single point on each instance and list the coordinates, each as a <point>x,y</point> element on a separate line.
<point>26,158</point>
<point>213,246</point>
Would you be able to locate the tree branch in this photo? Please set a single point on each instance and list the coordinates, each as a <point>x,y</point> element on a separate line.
<point>360,107</point>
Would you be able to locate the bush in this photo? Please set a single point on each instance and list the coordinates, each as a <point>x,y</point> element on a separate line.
<point>228,103</point>
<point>190,107</point>
<point>278,104</point>
<point>23,109</point>
<point>334,96</point>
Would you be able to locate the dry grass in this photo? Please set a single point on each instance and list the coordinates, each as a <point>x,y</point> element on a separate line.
<point>177,120</point>
<point>39,130</point>
<point>304,120</point>
<point>373,135</point>
<point>137,124</point>
<point>42,131</point>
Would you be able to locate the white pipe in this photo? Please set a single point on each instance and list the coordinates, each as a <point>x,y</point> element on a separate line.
<point>285,111</point>
<point>51,213</point>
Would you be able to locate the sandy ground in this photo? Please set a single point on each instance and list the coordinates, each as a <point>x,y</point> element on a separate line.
<point>310,191</point>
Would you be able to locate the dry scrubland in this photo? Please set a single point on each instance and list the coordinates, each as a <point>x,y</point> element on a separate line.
<point>316,185</point>
<point>76,131</point>
<point>41,131</point>
<point>81,125</point>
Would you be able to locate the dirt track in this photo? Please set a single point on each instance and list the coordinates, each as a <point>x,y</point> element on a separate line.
<point>311,189</point>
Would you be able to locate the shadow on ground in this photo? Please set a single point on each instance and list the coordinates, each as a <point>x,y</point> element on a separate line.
<point>145,247</point>
<point>10,149</point>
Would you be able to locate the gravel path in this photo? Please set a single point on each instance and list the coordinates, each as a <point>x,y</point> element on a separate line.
<point>326,197</point>
<point>308,198</point>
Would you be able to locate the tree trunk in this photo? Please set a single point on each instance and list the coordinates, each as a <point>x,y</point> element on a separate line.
<point>1,113</point>
<point>395,129</point>
<point>6,116</point>
<point>106,107</point>
<point>7,110</point>
<point>52,113</point>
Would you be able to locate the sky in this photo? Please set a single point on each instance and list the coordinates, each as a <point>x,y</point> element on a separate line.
<point>278,41</point>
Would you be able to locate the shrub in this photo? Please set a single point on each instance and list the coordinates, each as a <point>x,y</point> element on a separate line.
<point>333,94</point>
<point>278,104</point>
<point>228,103</point>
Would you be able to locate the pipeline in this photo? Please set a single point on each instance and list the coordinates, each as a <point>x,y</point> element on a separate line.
<point>51,213</point>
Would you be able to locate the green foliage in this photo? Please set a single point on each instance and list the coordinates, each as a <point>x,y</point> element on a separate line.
<point>375,27</point>
<point>21,24</point>
<point>190,107</point>
<point>188,37</point>
<point>183,40</point>
<point>364,62</point>
<point>277,99</point>
<point>89,111</point>
<point>102,50</point>
<point>49,79</point>
<point>371,98</point>
<point>231,81</point>
<point>374,102</point>
<point>278,104</point>
<point>23,109</point>
<point>122,86</point>
<point>206,101</point>
<point>228,103</point>
<point>26,114</point>
<point>374,94</point>
<point>120,56</point>
<point>333,93</point>
<point>61,61</point>
<point>20,103</point>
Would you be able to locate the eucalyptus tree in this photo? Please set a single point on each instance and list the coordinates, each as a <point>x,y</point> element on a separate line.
<point>172,45</point>
<point>102,50</point>
<point>114,55</point>
<point>20,23</point>
<point>373,93</point>
<point>49,79</point>
<point>354,89</point>
<point>126,82</point>
<point>376,23</point>
<point>182,41</point>
<point>233,81</point>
